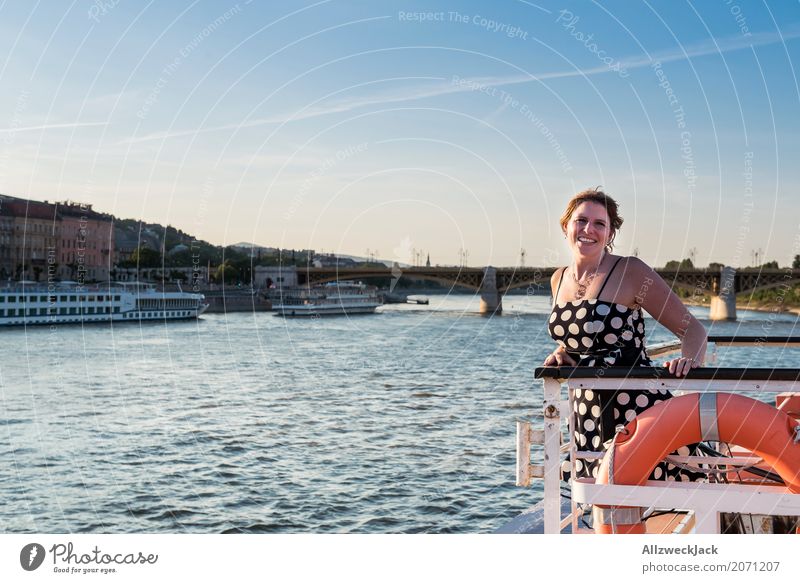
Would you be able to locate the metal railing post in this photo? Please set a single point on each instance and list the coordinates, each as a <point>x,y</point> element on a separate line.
<point>552,462</point>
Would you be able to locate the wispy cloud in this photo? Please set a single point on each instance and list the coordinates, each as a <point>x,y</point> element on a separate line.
<point>53,126</point>
<point>445,86</point>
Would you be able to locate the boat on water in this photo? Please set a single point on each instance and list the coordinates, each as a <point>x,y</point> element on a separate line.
<point>387,297</point>
<point>750,451</point>
<point>35,303</point>
<point>324,300</point>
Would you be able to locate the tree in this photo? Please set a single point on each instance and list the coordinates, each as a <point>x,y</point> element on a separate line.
<point>682,264</point>
<point>796,262</point>
<point>145,257</point>
<point>713,266</point>
<point>226,273</point>
<point>770,265</point>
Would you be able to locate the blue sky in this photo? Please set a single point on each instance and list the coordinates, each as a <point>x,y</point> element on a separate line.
<point>392,126</point>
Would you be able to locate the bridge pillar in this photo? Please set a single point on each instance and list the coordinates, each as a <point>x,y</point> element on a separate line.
<point>723,306</point>
<point>491,301</point>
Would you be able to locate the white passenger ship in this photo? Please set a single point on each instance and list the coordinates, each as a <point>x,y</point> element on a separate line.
<point>329,299</point>
<point>26,303</point>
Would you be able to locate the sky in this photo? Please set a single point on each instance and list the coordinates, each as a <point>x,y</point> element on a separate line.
<point>455,129</point>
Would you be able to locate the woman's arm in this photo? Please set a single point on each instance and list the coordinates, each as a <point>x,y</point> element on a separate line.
<point>655,296</point>
<point>559,356</point>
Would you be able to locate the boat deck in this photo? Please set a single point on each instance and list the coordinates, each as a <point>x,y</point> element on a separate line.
<point>673,507</point>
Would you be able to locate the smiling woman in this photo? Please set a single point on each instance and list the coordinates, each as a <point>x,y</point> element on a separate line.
<point>608,329</point>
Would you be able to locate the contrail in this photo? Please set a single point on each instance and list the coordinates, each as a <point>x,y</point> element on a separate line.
<point>55,126</point>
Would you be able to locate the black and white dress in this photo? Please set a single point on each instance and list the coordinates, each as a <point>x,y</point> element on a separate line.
<point>600,333</point>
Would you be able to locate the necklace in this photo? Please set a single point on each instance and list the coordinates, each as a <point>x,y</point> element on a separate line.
<point>584,283</point>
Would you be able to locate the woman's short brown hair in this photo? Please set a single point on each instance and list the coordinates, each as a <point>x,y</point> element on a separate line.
<point>600,197</point>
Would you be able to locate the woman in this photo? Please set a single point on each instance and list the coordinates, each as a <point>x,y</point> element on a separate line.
<point>597,321</point>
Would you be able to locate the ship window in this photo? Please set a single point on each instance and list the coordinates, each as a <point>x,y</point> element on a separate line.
<point>116,309</point>
<point>42,299</point>
<point>12,312</point>
<point>12,298</point>
<point>63,298</point>
<point>2,313</point>
<point>116,298</point>
<point>73,298</point>
<point>62,311</point>
<point>2,299</point>
<point>91,310</point>
<point>73,310</point>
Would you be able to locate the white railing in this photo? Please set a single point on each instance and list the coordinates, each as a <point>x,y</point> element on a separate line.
<point>705,500</point>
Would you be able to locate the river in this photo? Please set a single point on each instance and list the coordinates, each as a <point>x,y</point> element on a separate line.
<point>402,421</point>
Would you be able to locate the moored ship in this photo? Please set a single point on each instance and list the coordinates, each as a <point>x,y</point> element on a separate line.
<point>31,303</point>
<point>329,299</point>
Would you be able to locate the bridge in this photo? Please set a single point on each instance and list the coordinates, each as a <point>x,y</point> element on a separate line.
<point>493,282</point>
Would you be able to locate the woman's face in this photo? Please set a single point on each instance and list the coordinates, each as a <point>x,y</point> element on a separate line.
<point>588,229</point>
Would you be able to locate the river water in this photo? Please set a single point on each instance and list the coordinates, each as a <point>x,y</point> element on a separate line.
<point>402,421</point>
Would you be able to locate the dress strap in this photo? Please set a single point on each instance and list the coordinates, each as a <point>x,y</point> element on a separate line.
<point>608,277</point>
<point>560,279</point>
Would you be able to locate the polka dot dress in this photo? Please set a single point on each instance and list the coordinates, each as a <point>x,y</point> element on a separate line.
<point>599,333</point>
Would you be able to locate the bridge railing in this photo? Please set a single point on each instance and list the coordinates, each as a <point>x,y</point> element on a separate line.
<point>707,500</point>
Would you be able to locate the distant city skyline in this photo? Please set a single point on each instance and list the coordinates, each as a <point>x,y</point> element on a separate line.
<point>404,126</point>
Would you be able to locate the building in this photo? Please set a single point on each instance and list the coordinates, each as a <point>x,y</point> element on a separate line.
<point>275,277</point>
<point>32,229</point>
<point>85,243</point>
<point>7,264</point>
<point>50,241</point>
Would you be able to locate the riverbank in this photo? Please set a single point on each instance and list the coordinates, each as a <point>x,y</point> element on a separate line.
<point>754,306</point>
<point>769,307</point>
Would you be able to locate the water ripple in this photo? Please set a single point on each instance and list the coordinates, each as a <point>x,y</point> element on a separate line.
<point>398,423</point>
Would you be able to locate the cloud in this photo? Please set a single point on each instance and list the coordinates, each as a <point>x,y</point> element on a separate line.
<point>53,126</point>
<point>446,87</point>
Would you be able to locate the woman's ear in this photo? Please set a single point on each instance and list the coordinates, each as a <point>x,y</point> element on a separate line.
<point>610,242</point>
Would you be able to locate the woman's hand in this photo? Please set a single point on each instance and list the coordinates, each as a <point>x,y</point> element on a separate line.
<point>680,366</point>
<point>559,357</point>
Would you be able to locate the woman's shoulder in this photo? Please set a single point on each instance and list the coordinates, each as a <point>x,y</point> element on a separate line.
<point>632,264</point>
<point>558,272</point>
<point>555,279</point>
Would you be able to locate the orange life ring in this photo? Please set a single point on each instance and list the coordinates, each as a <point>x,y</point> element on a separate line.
<point>668,425</point>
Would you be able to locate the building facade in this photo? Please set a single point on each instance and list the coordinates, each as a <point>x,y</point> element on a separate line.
<point>86,243</point>
<point>41,241</point>
<point>274,277</point>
